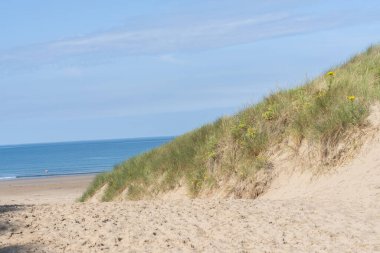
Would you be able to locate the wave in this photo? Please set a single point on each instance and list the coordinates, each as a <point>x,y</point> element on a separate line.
<point>48,175</point>
<point>60,174</point>
<point>7,178</point>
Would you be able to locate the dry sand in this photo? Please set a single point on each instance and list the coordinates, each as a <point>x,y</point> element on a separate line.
<point>60,189</point>
<point>338,212</point>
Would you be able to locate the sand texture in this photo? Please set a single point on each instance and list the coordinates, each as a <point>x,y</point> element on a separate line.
<point>336,212</point>
<point>61,189</point>
<point>195,226</point>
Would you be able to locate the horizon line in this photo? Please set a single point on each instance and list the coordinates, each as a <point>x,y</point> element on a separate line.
<point>89,140</point>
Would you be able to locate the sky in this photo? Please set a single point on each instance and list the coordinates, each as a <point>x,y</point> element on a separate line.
<point>88,69</point>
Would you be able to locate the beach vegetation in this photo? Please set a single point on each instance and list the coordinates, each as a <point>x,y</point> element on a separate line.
<point>320,111</point>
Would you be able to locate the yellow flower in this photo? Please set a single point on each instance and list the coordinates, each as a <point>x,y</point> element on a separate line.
<point>351,98</point>
<point>251,132</point>
<point>331,73</point>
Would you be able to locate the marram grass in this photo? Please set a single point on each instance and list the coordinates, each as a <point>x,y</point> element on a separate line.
<point>321,111</point>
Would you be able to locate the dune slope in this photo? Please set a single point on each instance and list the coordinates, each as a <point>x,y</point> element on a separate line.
<point>300,212</point>
<point>234,156</point>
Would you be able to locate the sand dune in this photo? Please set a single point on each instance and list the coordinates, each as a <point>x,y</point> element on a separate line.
<point>336,212</point>
<point>339,213</point>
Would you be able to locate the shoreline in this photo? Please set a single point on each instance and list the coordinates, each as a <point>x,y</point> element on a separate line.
<point>13,178</point>
<point>44,190</point>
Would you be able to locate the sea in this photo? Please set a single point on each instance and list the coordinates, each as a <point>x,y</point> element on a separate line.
<point>70,158</point>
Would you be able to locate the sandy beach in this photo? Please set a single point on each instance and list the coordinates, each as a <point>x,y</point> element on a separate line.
<point>44,190</point>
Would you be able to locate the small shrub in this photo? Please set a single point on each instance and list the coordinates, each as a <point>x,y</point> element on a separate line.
<point>269,114</point>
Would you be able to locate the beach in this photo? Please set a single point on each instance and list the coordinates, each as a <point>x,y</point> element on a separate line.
<point>337,212</point>
<point>43,190</point>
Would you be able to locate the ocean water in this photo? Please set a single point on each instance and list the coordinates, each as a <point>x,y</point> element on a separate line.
<point>69,158</point>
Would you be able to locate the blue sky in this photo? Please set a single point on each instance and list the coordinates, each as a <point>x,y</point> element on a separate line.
<point>81,70</point>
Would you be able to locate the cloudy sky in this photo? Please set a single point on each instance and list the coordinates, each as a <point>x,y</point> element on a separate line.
<point>81,70</point>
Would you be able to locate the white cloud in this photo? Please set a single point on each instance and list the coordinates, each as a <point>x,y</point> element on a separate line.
<point>177,36</point>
